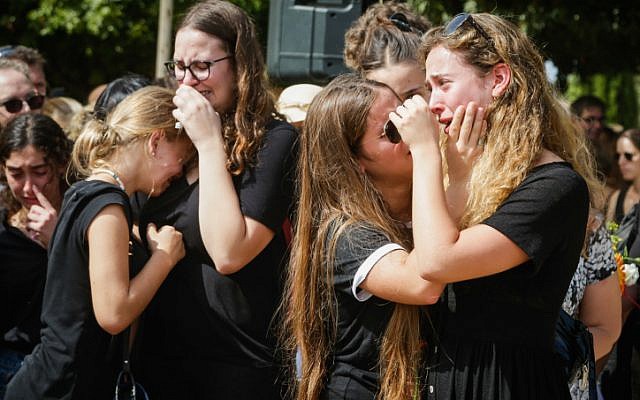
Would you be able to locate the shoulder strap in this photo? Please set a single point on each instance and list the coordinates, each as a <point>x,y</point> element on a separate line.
<point>619,214</point>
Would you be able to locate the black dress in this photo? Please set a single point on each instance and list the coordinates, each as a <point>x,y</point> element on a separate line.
<point>73,359</point>
<point>208,335</point>
<point>496,333</point>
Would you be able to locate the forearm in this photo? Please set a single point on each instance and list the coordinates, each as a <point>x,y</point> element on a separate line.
<point>432,225</point>
<point>457,194</point>
<point>222,224</point>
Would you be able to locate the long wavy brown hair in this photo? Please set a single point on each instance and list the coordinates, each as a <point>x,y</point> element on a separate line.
<point>335,193</point>
<point>244,126</point>
<point>523,121</point>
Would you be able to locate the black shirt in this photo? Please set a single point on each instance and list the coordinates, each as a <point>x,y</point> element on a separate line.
<point>71,362</point>
<point>496,332</point>
<point>199,314</point>
<point>362,318</point>
<point>22,274</point>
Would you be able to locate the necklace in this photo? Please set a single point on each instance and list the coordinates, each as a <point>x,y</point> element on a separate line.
<point>112,174</point>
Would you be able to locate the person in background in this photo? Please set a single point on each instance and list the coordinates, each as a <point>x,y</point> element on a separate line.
<point>594,297</point>
<point>116,91</point>
<point>62,110</point>
<point>590,112</point>
<point>509,259</point>
<point>382,44</point>
<point>294,101</point>
<point>34,154</point>
<point>89,293</point>
<point>616,379</point>
<point>210,330</point>
<point>17,93</point>
<point>34,60</point>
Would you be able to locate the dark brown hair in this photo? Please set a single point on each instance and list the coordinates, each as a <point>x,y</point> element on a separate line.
<point>244,126</point>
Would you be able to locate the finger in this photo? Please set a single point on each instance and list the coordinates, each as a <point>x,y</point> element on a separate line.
<point>42,199</point>
<point>455,126</point>
<point>478,124</point>
<point>152,231</point>
<point>467,122</point>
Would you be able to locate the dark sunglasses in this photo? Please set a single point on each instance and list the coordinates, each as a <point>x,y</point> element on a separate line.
<point>460,20</point>
<point>391,132</point>
<point>627,156</point>
<point>13,106</point>
<point>401,22</point>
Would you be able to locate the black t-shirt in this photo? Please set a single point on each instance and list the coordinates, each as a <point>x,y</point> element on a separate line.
<point>496,332</point>
<point>71,362</point>
<point>22,275</point>
<point>353,370</point>
<point>199,314</point>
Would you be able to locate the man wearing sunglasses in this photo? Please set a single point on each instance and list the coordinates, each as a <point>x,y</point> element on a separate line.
<point>17,92</point>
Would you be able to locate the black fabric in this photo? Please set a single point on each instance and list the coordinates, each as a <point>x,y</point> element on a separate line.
<point>353,372</point>
<point>496,332</point>
<point>619,212</point>
<point>22,274</point>
<point>574,346</point>
<point>211,326</point>
<point>73,361</point>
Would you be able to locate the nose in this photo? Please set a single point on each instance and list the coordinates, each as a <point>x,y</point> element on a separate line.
<point>27,189</point>
<point>189,79</point>
<point>435,105</point>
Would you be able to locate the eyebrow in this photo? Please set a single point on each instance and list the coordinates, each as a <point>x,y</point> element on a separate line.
<point>13,168</point>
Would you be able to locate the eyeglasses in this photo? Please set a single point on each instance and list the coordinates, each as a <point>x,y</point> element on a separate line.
<point>459,20</point>
<point>200,70</point>
<point>35,102</point>
<point>401,22</point>
<point>592,120</point>
<point>627,156</point>
<point>390,130</point>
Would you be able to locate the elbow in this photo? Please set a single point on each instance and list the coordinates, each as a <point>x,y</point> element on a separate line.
<point>228,266</point>
<point>111,324</point>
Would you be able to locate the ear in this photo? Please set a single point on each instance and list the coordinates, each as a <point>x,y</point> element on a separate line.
<point>501,75</point>
<point>154,140</point>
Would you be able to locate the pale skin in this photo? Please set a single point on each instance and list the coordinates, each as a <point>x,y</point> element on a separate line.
<point>448,254</point>
<point>35,184</point>
<point>396,276</point>
<point>231,239</point>
<point>118,301</point>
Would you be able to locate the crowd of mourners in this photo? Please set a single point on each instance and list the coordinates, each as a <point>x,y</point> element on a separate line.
<point>415,228</point>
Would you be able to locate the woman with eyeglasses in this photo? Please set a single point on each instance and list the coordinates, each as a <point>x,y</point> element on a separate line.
<point>96,283</point>
<point>17,93</point>
<point>353,282</point>
<point>210,330</point>
<point>508,262</point>
<point>34,154</point>
<point>383,43</point>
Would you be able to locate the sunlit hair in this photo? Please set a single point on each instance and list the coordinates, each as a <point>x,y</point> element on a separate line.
<point>46,136</point>
<point>244,126</point>
<point>374,41</point>
<point>334,194</point>
<point>16,65</point>
<point>526,118</point>
<point>62,109</point>
<point>134,120</point>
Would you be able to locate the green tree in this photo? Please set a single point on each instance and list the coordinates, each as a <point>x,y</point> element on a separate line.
<point>90,42</point>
